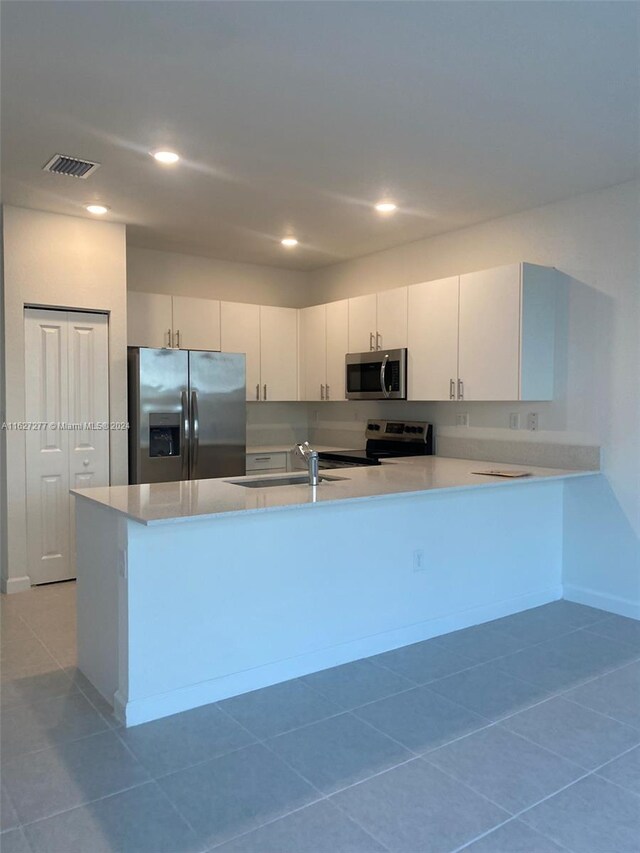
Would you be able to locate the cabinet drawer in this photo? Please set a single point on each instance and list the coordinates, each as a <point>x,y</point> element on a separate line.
<point>267,461</point>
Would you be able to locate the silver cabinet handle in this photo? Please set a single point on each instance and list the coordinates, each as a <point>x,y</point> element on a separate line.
<point>195,436</point>
<point>179,336</point>
<point>452,389</point>
<point>321,391</point>
<point>372,344</point>
<point>326,392</point>
<point>383,370</point>
<point>185,435</point>
<point>460,390</point>
<point>378,341</point>
<point>258,391</point>
<point>265,391</point>
<point>169,337</point>
<point>262,459</point>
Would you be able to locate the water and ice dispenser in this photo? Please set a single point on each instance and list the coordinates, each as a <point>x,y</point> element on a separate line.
<point>164,434</point>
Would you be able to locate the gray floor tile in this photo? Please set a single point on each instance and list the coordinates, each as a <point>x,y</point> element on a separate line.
<point>337,752</point>
<point>236,793</point>
<point>95,698</point>
<point>489,691</point>
<point>184,739</point>
<point>569,612</point>
<point>23,656</point>
<point>14,841</point>
<point>8,816</point>
<point>505,768</point>
<point>615,694</point>
<point>422,662</point>
<point>592,816</point>
<point>415,807</point>
<point>577,733</point>
<point>514,837</point>
<point>619,628</point>
<point>26,728</point>
<point>34,686</point>
<point>278,709</point>
<point>357,683</point>
<point>137,821</point>
<point>319,828</point>
<point>624,771</point>
<point>532,627</point>
<point>71,774</point>
<point>420,719</point>
<point>480,643</point>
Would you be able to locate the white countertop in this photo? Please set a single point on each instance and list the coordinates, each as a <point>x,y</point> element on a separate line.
<point>197,500</point>
<point>286,448</point>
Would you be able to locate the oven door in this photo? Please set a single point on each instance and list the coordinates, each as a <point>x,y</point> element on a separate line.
<point>380,375</point>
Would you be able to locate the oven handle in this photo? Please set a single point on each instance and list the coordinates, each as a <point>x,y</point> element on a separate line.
<point>383,371</point>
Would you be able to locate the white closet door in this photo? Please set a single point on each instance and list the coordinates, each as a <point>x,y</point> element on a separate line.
<point>46,402</point>
<point>67,370</point>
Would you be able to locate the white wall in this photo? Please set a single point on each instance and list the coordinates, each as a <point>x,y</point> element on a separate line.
<point>60,262</point>
<point>593,238</point>
<point>189,275</point>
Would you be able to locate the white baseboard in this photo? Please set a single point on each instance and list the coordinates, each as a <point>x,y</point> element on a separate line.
<point>142,710</point>
<point>602,600</point>
<point>11,585</point>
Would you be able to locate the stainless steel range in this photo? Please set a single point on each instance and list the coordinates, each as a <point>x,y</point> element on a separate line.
<point>385,440</point>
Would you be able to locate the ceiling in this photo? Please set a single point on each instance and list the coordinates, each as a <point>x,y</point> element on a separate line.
<point>297,116</point>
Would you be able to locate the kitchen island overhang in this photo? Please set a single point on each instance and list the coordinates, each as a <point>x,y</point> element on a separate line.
<point>177,610</point>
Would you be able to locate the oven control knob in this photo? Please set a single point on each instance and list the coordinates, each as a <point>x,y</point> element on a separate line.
<point>420,429</point>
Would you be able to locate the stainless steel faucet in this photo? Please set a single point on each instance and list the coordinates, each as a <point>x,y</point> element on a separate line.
<point>310,456</point>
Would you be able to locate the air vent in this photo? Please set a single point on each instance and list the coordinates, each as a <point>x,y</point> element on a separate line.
<point>61,164</point>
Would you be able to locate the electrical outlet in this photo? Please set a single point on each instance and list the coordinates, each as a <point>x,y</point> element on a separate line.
<point>514,420</point>
<point>532,421</point>
<point>418,560</point>
<point>462,419</point>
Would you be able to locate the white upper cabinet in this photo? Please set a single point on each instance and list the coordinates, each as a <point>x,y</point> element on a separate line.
<point>240,332</point>
<point>313,352</point>
<point>196,323</point>
<point>158,320</point>
<point>149,320</point>
<point>337,348</point>
<point>433,340</point>
<point>391,327</point>
<point>378,321</point>
<point>324,336</point>
<point>278,353</point>
<point>489,338</point>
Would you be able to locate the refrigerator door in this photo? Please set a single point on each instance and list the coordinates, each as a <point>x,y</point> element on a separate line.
<point>218,414</point>
<point>158,415</point>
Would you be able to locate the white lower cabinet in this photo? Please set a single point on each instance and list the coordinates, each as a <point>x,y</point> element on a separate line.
<point>275,463</point>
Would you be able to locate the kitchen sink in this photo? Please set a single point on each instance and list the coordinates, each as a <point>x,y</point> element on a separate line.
<point>294,480</point>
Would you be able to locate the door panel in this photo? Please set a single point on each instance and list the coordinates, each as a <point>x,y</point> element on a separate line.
<point>362,323</point>
<point>149,319</point>
<point>196,323</point>
<point>489,348</point>
<point>240,332</point>
<point>337,347</point>
<point>279,353</point>
<point>392,319</point>
<point>313,352</point>
<point>47,449</point>
<point>433,339</point>
<point>218,414</point>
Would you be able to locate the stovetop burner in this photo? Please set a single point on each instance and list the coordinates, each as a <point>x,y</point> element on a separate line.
<point>385,440</point>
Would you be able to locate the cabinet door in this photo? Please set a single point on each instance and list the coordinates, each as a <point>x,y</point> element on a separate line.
<point>392,319</point>
<point>240,332</point>
<point>148,319</point>
<point>337,348</point>
<point>489,343</point>
<point>279,353</point>
<point>196,323</point>
<point>313,353</point>
<point>433,339</point>
<point>362,323</point>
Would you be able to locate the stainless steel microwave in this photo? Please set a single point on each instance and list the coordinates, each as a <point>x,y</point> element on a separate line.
<point>380,375</point>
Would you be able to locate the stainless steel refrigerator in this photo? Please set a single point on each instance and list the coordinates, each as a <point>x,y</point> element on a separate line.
<point>187,415</point>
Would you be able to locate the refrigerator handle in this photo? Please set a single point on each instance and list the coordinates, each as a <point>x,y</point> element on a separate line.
<point>195,434</point>
<point>186,437</point>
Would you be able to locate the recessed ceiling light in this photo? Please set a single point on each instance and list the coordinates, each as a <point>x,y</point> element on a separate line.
<point>165,157</point>
<point>289,242</point>
<point>386,207</point>
<point>96,209</point>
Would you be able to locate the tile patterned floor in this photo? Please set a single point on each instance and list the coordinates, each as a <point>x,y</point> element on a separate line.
<point>519,736</point>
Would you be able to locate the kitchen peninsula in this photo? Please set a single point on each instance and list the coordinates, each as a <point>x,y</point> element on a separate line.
<point>190,592</point>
